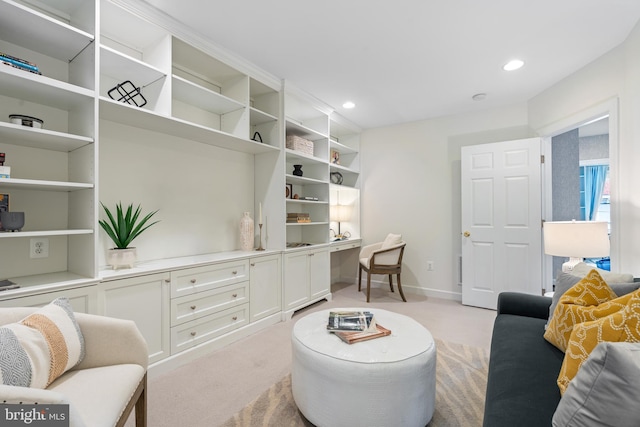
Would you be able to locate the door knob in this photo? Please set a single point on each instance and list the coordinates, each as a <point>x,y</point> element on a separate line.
<point>466,234</point>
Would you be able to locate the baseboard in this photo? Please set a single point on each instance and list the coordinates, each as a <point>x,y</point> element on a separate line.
<point>175,361</point>
<point>416,290</point>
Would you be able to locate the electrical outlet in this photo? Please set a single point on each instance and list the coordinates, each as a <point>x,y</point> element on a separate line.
<point>39,248</point>
<point>429,265</point>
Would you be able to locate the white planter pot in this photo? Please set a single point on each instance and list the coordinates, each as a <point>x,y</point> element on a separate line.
<point>122,258</point>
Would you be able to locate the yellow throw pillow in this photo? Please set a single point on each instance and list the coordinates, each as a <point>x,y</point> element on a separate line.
<point>589,299</point>
<point>621,326</point>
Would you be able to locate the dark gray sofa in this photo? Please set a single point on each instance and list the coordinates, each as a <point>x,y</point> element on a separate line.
<point>523,366</point>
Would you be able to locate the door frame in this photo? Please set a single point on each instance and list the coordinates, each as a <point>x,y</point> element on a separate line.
<point>574,121</point>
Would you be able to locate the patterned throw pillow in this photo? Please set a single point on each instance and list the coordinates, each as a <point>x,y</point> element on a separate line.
<point>621,326</point>
<point>41,347</point>
<point>589,299</point>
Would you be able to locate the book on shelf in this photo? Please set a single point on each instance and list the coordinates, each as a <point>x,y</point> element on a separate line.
<point>19,63</point>
<point>298,217</point>
<point>6,285</point>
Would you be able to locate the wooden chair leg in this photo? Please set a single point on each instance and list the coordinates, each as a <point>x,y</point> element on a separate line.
<point>391,283</point>
<point>368,285</point>
<point>360,278</point>
<point>400,289</point>
<point>141,407</point>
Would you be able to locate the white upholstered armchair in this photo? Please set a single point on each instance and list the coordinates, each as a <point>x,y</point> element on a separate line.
<point>382,258</point>
<point>108,383</point>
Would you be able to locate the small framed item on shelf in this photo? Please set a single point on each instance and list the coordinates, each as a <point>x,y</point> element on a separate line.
<point>288,192</point>
<point>335,157</point>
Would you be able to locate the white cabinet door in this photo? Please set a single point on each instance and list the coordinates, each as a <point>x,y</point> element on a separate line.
<point>296,279</point>
<point>319,273</point>
<point>145,300</point>
<point>265,295</point>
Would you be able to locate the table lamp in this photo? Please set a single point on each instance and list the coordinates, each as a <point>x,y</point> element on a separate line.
<point>340,213</point>
<point>576,240</point>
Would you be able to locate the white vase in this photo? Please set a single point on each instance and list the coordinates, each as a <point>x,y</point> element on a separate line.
<point>122,258</point>
<point>246,232</point>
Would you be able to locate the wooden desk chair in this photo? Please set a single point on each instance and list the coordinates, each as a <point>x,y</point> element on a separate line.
<point>381,258</point>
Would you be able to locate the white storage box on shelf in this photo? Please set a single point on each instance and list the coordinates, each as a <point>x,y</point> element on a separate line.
<point>296,143</point>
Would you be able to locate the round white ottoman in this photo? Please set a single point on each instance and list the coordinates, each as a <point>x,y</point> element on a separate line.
<point>386,382</point>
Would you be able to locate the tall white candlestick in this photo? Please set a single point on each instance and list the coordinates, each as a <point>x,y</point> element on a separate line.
<point>260,214</point>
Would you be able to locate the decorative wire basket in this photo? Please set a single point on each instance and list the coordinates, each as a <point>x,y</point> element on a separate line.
<point>128,93</point>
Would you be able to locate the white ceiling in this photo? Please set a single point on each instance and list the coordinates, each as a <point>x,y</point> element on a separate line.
<point>407,60</point>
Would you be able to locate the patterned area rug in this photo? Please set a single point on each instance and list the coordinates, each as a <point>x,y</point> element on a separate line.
<point>461,380</point>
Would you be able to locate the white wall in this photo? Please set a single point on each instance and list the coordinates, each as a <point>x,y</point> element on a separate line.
<point>200,190</point>
<point>411,185</point>
<point>614,77</point>
<point>411,172</point>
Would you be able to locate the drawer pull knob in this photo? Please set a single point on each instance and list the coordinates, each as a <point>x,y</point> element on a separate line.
<point>193,334</point>
<point>234,318</point>
<point>193,280</point>
<point>167,280</point>
<point>253,264</point>
<point>193,307</point>
<point>235,295</point>
<point>234,272</point>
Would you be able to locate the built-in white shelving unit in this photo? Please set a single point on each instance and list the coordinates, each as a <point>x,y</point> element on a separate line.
<point>52,176</point>
<point>196,98</point>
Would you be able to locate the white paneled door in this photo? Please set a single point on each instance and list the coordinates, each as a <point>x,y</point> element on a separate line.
<point>501,220</point>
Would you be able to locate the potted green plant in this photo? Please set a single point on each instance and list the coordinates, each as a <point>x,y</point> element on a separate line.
<point>122,229</point>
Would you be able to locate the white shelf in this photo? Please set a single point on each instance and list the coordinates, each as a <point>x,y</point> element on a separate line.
<point>295,128</point>
<point>293,179</point>
<point>122,67</point>
<point>203,98</point>
<point>49,282</point>
<point>43,233</point>
<point>305,224</point>
<point>32,87</point>
<point>41,138</point>
<point>41,33</point>
<point>33,184</point>
<point>343,149</point>
<point>302,158</point>
<point>259,117</point>
<point>316,202</point>
<point>340,168</point>
<point>134,116</point>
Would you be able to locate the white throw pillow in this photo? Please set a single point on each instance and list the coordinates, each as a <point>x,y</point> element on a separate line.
<point>391,240</point>
<point>582,269</point>
<point>41,347</point>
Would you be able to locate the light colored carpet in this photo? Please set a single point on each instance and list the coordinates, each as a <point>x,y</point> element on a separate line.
<point>211,389</point>
<point>461,379</point>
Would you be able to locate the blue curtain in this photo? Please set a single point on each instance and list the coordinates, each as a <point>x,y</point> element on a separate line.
<point>595,177</point>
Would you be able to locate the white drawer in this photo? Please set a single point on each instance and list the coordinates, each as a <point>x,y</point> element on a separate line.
<point>199,279</point>
<point>191,307</point>
<point>204,329</point>
<point>344,246</point>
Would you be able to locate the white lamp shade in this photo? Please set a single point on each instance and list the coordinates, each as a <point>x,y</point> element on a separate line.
<point>340,213</point>
<point>576,239</point>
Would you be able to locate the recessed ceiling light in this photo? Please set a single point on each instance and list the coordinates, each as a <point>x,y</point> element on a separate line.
<point>479,97</point>
<point>513,65</point>
<point>348,104</point>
